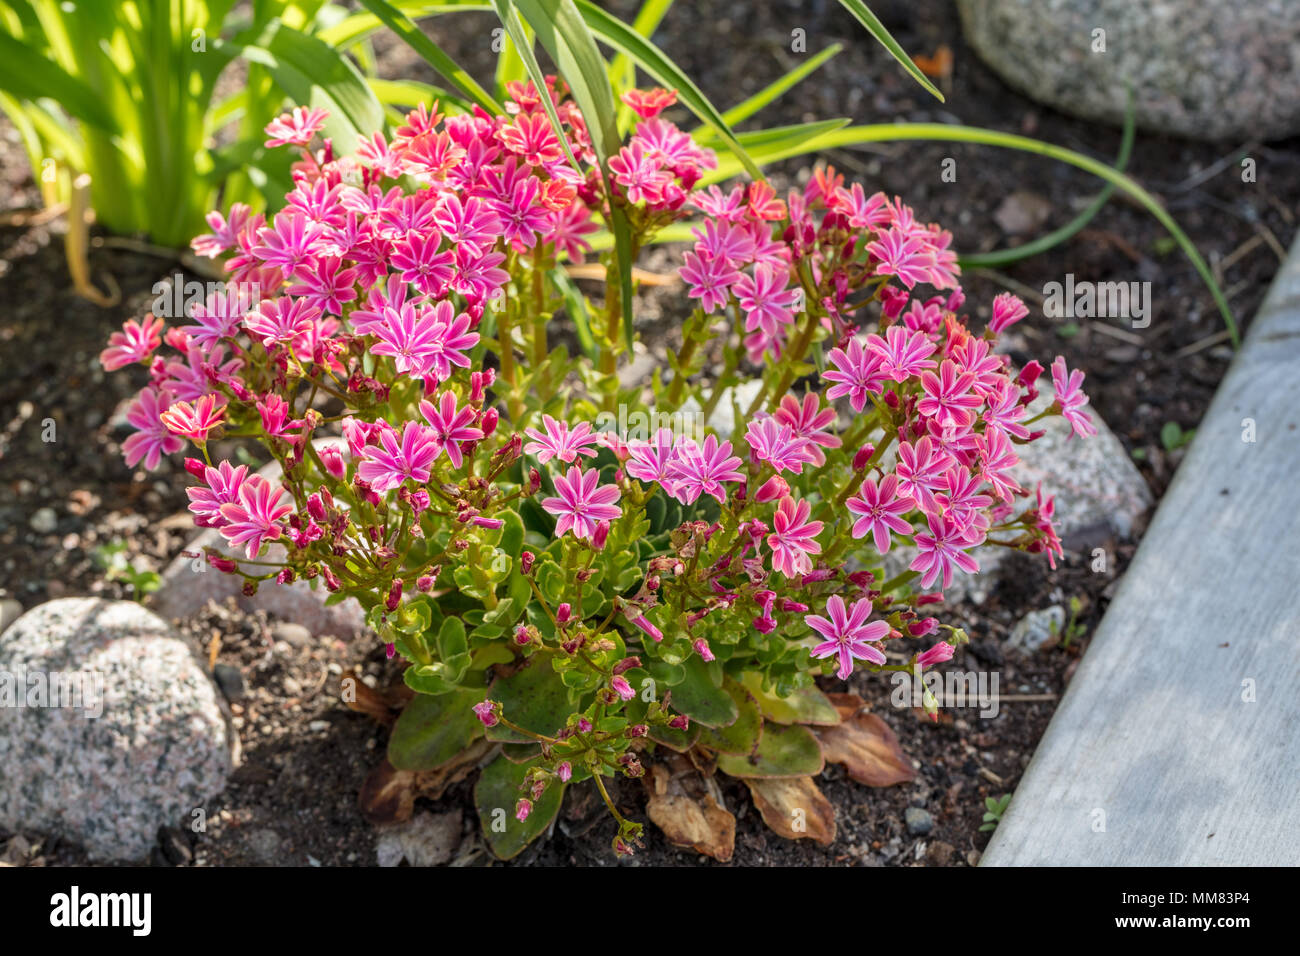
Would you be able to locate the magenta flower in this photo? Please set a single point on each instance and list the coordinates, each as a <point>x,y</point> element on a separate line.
<point>848,635</point>
<point>809,420</point>
<point>856,373</point>
<point>1069,395</point>
<point>996,459</point>
<point>941,652</point>
<point>775,443</point>
<point>700,470</point>
<point>582,503</point>
<point>488,712</point>
<point>948,397</point>
<point>222,487</point>
<point>903,352</point>
<point>224,234</point>
<point>424,343</point>
<point>421,263</point>
<point>719,240</point>
<point>450,425</point>
<point>255,517</point>
<point>942,548</point>
<point>765,299</point>
<point>559,441</point>
<point>921,467</point>
<point>152,439</point>
<point>880,510</point>
<point>288,244</point>
<point>709,280</point>
<point>1007,311</point>
<point>218,318</point>
<point>903,254</point>
<point>652,460</point>
<point>793,538</point>
<point>280,321</point>
<point>135,343</point>
<point>397,459</point>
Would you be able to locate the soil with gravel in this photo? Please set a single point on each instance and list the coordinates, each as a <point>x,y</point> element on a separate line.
<point>293,801</point>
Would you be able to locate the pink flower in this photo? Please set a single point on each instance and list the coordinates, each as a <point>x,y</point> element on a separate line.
<point>621,687</point>
<point>450,425</point>
<point>152,439</point>
<point>902,254</point>
<point>793,538</point>
<point>135,343</point>
<point>559,441</point>
<point>581,504</point>
<point>710,280</point>
<point>700,470</point>
<point>1007,311</point>
<point>856,373</point>
<point>288,244</point>
<point>223,484</point>
<point>224,234</point>
<point>280,321</point>
<point>637,170</point>
<point>809,420</point>
<point>903,352</point>
<point>848,635</point>
<point>880,511</point>
<point>775,443</point>
<point>941,652</point>
<point>653,460</point>
<point>523,808</point>
<point>941,549</point>
<point>195,421</point>
<point>948,398</point>
<point>219,317</point>
<point>295,128</point>
<point>765,299</point>
<point>255,517</point>
<point>921,467</point>
<point>488,712</point>
<point>1069,395</point>
<point>410,457</point>
<point>425,343</point>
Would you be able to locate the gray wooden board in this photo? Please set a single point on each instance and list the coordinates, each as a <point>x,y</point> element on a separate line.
<point>1178,740</point>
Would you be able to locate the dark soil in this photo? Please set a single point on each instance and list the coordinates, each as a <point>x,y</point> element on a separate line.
<point>293,801</point>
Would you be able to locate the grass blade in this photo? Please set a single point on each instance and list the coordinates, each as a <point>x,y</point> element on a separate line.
<point>774,91</point>
<point>877,29</point>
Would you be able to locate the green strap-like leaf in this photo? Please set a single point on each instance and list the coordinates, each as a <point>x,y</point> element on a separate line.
<point>774,91</point>
<point>877,30</point>
<point>432,54</point>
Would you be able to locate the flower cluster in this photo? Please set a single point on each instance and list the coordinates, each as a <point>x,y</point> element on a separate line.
<point>445,466</point>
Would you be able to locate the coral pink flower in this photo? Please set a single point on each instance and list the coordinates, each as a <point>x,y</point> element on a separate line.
<point>255,517</point>
<point>856,373</point>
<point>848,635</point>
<point>450,425</point>
<point>152,439</point>
<point>135,343</point>
<point>582,502</point>
<point>880,511</point>
<point>648,103</point>
<point>793,538</point>
<point>559,441</point>
<point>195,421</point>
<point>700,470</point>
<point>398,459</point>
<point>295,128</point>
<point>1069,395</point>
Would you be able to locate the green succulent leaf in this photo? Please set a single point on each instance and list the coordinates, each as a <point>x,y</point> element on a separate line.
<point>432,730</point>
<point>783,752</point>
<point>535,698</point>
<point>742,736</point>
<point>807,705</point>
<point>496,794</point>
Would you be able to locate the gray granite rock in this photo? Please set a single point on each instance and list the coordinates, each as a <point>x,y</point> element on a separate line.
<point>189,583</point>
<point>1207,69</point>
<point>1037,629</point>
<point>144,744</point>
<point>1094,481</point>
<point>427,839</point>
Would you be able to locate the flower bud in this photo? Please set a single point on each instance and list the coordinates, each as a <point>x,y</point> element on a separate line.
<point>488,424</point>
<point>601,535</point>
<point>626,664</point>
<point>564,771</point>
<point>563,613</point>
<point>489,712</point>
<point>394,595</point>
<point>773,489</point>
<point>526,562</point>
<point>195,467</point>
<point>621,687</point>
<point>332,459</point>
<point>702,648</point>
<point>863,456</point>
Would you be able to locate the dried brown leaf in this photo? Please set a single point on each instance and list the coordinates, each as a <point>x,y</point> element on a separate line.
<point>388,794</point>
<point>794,808</point>
<point>364,699</point>
<point>869,750</point>
<point>690,820</point>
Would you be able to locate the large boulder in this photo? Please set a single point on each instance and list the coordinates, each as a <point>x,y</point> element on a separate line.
<point>1205,69</point>
<point>109,727</point>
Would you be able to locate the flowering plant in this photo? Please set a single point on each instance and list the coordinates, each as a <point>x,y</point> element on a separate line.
<point>580,594</point>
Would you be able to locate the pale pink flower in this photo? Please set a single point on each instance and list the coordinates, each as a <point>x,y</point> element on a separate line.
<point>295,128</point>
<point>195,421</point>
<point>856,373</point>
<point>700,470</point>
<point>450,425</point>
<point>152,439</point>
<point>942,548</point>
<point>1069,395</point>
<point>560,441</point>
<point>809,420</point>
<point>775,443</point>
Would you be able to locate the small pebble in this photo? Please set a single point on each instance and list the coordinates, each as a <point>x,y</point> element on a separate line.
<point>44,521</point>
<point>294,634</point>
<point>230,680</point>
<point>919,822</point>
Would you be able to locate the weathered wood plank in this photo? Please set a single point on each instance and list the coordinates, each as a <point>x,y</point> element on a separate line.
<point>1178,741</point>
